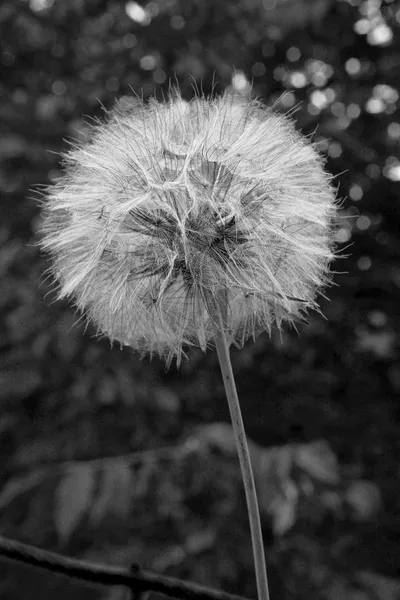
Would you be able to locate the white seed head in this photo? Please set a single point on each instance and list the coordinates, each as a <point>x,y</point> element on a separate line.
<point>173,209</point>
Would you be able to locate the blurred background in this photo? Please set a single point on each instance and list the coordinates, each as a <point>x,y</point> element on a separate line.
<point>108,458</point>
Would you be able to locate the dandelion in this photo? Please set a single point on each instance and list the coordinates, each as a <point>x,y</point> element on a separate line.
<point>192,224</point>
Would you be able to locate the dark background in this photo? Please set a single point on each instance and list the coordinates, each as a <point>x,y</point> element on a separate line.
<point>321,405</point>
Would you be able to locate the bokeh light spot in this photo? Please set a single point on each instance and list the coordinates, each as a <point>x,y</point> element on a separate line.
<point>129,40</point>
<point>137,13</point>
<point>258,69</point>
<point>153,9</point>
<point>353,111</point>
<point>375,106</point>
<point>377,318</point>
<point>338,109</point>
<point>148,62</point>
<point>335,149</point>
<point>356,192</point>
<point>39,5</point>
<point>362,26</point>
<point>391,169</point>
<point>364,263</point>
<point>293,54</point>
<point>159,76</point>
<point>322,98</point>
<point>288,100</point>
<point>369,8</point>
<point>381,35</point>
<point>382,237</point>
<point>393,130</point>
<point>363,222</point>
<point>373,171</point>
<point>342,235</point>
<point>298,79</point>
<point>279,73</point>
<point>386,92</point>
<point>352,66</point>
<point>319,71</point>
<point>58,87</point>
<point>177,22</point>
<point>240,82</point>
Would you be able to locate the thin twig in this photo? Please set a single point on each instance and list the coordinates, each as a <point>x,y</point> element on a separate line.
<point>141,581</point>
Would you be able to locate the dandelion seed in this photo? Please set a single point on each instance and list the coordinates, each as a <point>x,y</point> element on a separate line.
<point>171,205</point>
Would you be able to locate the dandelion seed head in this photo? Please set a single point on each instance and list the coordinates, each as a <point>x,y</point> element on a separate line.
<point>171,209</point>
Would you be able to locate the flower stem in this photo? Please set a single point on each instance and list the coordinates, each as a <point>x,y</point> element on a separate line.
<point>244,458</point>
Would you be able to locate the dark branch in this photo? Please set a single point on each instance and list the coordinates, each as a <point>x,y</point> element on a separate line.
<point>138,581</point>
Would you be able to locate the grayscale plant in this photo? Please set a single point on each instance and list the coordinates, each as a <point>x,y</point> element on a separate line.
<point>201,223</point>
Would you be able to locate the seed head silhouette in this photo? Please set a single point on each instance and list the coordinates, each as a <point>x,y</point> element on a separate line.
<point>172,208</point>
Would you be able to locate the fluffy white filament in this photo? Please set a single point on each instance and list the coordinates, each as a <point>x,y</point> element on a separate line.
<point>172,209</point>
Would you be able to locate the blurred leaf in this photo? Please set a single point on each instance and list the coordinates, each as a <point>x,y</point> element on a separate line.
<point>73,497</point>
<point>273,470</point>
<point>277,493</point>
<point>19,375</point>
<point>172,557</point>
<point>318,460</point>
<point>199,541</point>
<point>219,435</point>
<point>117,592</point>
<point>107,389</point>
<point>284,509</point>
<point>18,486</point>
<point>68,335</point>
<point>8,252</point>
<point>147,473</point>
<point>339,589</point>
<point>34,452</point>
<point>6,422</point>
<point>19,384</point>
<point>364,498</point>
<point>167,400</point>
<point>379,343</point>
<point>331,500</point>
<point>383,588</point>
<point>13,145</point>
<point>115,491</point>
<point>280,491</point>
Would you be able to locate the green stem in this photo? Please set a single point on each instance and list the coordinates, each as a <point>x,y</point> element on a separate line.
<point>244,458</point>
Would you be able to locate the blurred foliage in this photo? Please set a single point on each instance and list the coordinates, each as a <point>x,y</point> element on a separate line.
<point>113,459</point>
